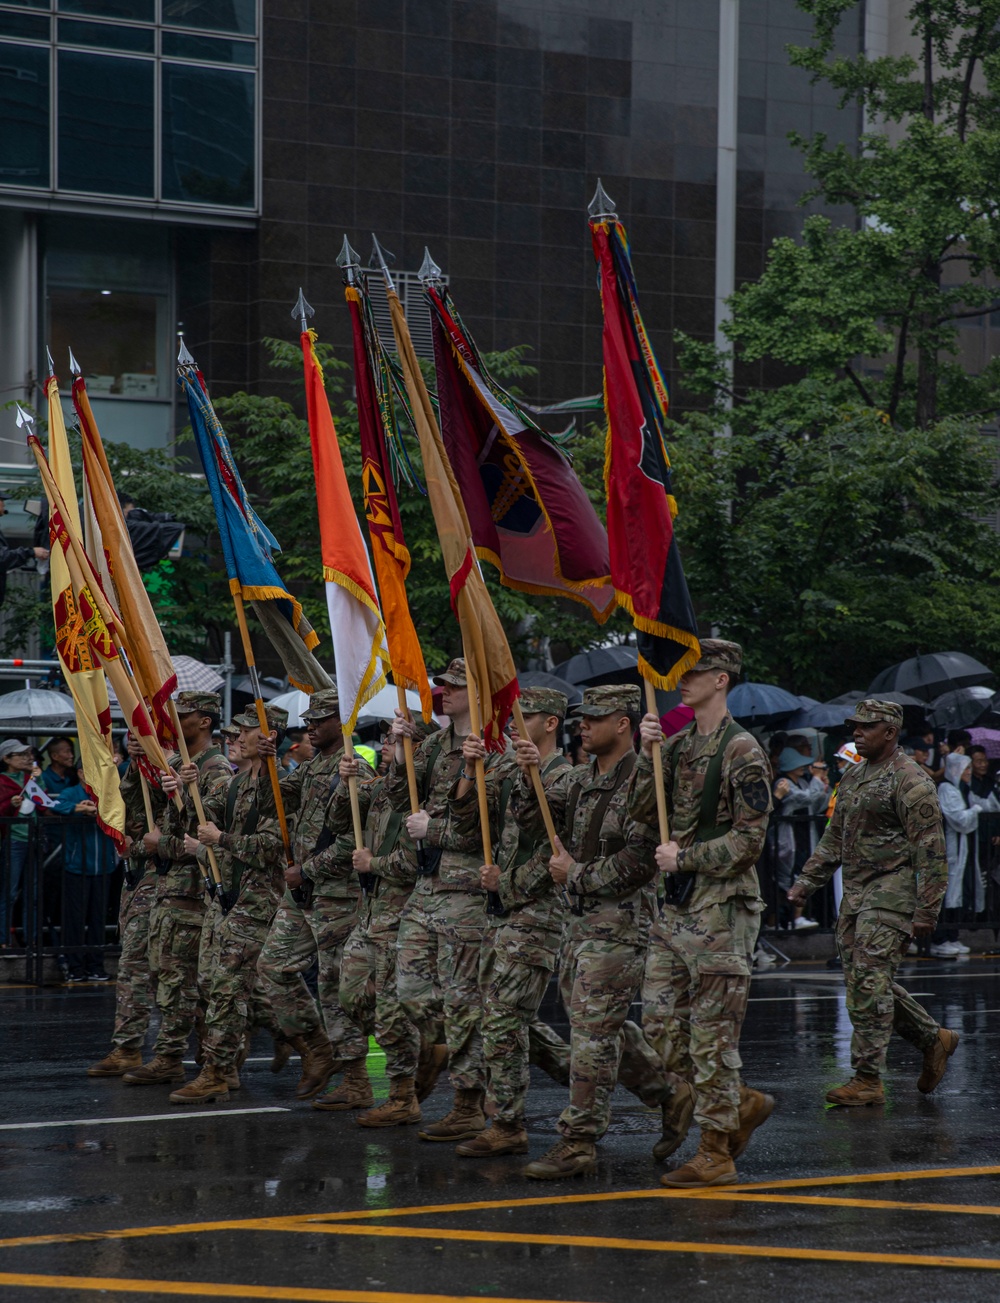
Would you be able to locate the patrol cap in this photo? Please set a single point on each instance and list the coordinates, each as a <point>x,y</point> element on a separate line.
<point>609,699</point>
<point>873,711</point>
<point>454,674</point>
<point>207,703</point>
<point>718,654</point>
<point>230,731</point>
<point>276,717</point>
<point>322,705</point>
<point>544,701</point>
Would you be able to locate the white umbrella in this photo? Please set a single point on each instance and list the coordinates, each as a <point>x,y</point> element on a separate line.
<point>36,707</point>
<point>294,702</point>
<point>384,704</point>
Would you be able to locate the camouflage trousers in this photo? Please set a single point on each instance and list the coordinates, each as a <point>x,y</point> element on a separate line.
<point>368,996</point>
<point>174,943</point>
<point>598,982</point>
<point>238,939</point>
<point>871,945</point>
<point>134,988</point>
<point>297,938</point>
<point>437,978</point>
<point>259,1011</point>
<point>694,999</point>
<point>512,994</point>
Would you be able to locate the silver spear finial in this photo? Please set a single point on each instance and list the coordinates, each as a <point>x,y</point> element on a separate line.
<point>602,207</point>
<point>302,311</point>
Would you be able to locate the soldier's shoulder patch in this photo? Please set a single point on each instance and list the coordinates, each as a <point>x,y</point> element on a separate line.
<point>756,795</point>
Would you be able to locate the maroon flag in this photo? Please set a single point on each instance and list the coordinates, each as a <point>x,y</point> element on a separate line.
<point>530,515</point>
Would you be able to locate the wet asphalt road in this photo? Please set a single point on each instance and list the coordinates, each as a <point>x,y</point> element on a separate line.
<point>117,1167</point>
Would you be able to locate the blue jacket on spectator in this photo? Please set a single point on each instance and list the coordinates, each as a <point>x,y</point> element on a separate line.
<point>87,849</point>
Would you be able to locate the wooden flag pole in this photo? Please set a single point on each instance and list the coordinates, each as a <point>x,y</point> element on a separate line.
<point>147,802</point>
<point>352,788</point>
<point>411,773</point>
<point>475,721</point>
<point>536,782</point>
<point>661,795</point>
<point>194,790</point>
<point>272,764</point>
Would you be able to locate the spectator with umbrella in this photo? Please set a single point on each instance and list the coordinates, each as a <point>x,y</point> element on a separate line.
<point>800,798</point>
<point>966,885</point>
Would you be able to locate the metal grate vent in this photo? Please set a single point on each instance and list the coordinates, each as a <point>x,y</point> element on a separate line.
<point>415,309</point>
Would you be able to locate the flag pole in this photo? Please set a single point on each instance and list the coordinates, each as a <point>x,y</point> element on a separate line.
<point>661,795</point>
<point>303,310</point>
<point>195,793</point>
<point>476,724</point>
<point>272,764</point>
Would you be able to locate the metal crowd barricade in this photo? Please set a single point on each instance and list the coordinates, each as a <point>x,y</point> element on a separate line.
<point>47,913</point>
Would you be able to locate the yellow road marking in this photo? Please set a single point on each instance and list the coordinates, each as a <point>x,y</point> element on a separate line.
<point>213,1289</point>
<point>804,1200</point>
<point>864,1178</point>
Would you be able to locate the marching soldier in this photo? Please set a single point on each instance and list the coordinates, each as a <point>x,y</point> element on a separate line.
<point>887,832</point>
<point>317,914</point>
<point>179,907</point>
<point>697,980</point>
<point>251,865</point>
<point>604,861</point>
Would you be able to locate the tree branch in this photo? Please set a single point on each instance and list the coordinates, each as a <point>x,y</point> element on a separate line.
<point>973,312</point>
<point>897,378</point>
<point>963,106</point>
<point>856,382</point>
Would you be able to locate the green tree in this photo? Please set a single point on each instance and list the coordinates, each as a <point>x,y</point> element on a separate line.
<point>839,524</point>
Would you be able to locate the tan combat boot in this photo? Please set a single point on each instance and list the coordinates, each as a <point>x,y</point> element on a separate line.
<point>207,1088</point>
<point>232,1076</point>
<point>711,1165</point>
<point>431,1064</point>
<point>567,1158</point>
<point>936,1060</point>
<point>755,1109</point>
<point>316,1053</point>
<point>354,1091</point>
<point>282,1052</point>
<point>117,1063</point>
<point>857,1091</point>
<point>158,1071</point>
<point>677,1114</point>
<point>498,1138</point>
<point>399,1110</point>
<point>465,1120</point>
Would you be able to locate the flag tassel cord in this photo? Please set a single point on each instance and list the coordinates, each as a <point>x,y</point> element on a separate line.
<point>272,764</point>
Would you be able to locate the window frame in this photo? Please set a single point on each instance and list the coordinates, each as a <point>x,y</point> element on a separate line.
<point>56,193</point>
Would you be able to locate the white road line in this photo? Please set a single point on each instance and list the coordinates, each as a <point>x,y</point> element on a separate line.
<point>179,1116</point>
<point>779,999</point>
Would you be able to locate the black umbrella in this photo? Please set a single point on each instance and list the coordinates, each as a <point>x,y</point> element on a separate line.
<point>762,703</point>
<point>847,699</point>
<point>539,679</point>
<point>960,708</point>
<point>602,665</point>
<point>821,716</point>
<point>927,677</point>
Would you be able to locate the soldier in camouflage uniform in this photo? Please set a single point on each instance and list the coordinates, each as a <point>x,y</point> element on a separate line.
<point>604,861</point>
<point>520,955</point>
<point>134,988</point>
<point>697,979</point>
<point>251,866</point>
<point>887,832</point>
<point>179,907</point>
<point>387,870</point>
<point>316,916</point>
<point>444,922</point>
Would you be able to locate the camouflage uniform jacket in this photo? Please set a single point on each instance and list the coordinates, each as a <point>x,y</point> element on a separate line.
<point>887,832</point>
<point>255,858</point>
<point>462,850</point>
<point>306,793</point>
<point>184,876</point>
<point>724,865</point>
<point>394,856</point>
<point>139,862</point>
<point>612,889</point>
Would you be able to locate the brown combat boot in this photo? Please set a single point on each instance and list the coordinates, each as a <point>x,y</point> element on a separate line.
<point>316,1053</point>
<point>936,1060</point>
<point>158,1071</point>
<point>354,1091</point>
<point>430,1065</point>
<point>207,1088</point>
<point>498,1138</point>
<point>399,1110</point>
<point>232,1076</point>
<point>755,1109</point>
<point>282,1052</point>
<point>859,1090</point>
<point>117,1063</point>
<point>711,1165</point>
<point>677,1114</point>
<point>567,1158</point>
<point>465,1120</point>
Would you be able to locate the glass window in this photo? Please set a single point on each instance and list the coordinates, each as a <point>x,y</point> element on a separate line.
<point>112,36</point>
<point>179,45</point>
<point>113,333</point>
<point>208,135</point>
<point>30,4</point>
<point>34,26</point>
<point>105,124</point>
<point>217,15</point>
<point>133,11</point>
<point>24,105</point>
